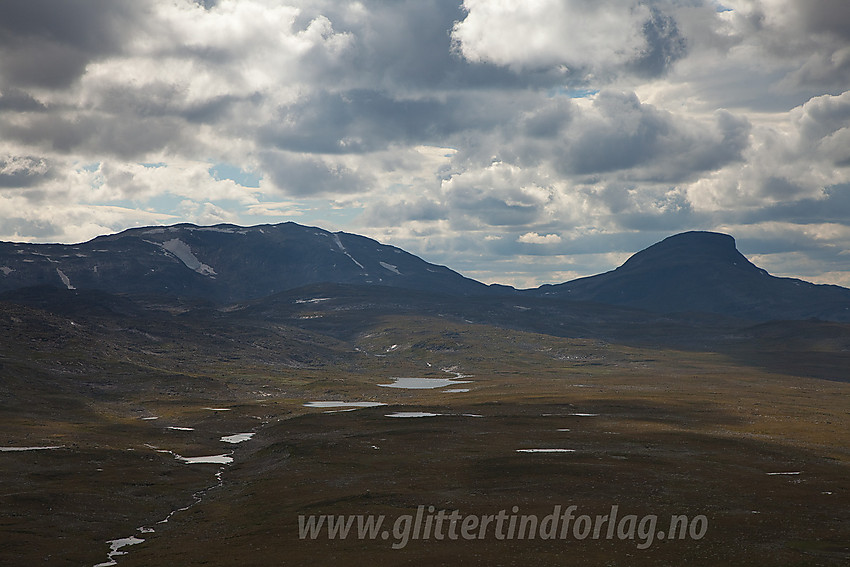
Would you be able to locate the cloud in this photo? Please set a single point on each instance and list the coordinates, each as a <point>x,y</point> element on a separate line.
<point>22,171</point>
<point>356,121</point>
<point>618,132</point>
<point>550,33</point>
<point>49,44</point>
<point>311,176</point>
<point>469,131</point>
<point>534,238</point>
<point>580,38</point>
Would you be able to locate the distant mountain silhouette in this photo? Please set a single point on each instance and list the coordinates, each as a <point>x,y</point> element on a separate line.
<point>222,263</point>
<point>689,272</point>
<point>705,272</point>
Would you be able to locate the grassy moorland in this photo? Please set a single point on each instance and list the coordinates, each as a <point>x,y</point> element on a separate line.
<point>651,429</point>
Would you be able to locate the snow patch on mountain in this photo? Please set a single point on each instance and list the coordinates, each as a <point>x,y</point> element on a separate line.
<point>65,279</point>
<point>344,251</point>
<point>183,253</point>
<point>390,267</point>
<point>6,270</point>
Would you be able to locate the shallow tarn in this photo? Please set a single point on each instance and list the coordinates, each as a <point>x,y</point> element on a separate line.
<point>17,449</point>
<point>423,383</point>
<point>237,437</point>
<point>336,404</point>
<point>412,414</point>
<point>209,459</point>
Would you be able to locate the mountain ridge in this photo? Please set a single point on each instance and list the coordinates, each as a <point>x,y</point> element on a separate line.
<point>223,263</point>
<point>695,271</point>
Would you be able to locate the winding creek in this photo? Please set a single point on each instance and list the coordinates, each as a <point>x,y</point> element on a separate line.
<point>116,545</point>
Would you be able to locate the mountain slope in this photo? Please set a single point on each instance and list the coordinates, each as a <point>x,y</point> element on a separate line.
<point>688,272</point>
<point>222,263</point>
<point>704,271</point>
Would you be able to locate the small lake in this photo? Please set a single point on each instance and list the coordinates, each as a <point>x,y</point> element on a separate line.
<point>16,449</point>
<point>237,438</point>
<point>412,414</point>
<point>333,404</point>
<point>211,459</point>
<point>423,383</point>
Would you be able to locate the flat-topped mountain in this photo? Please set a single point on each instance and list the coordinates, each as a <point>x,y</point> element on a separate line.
<point>704,271</point>
<point>222,263</point>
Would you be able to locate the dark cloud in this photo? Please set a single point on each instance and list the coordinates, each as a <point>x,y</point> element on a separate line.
<point>23,171</point>
<point>48,43</point>
<point>497,212</point>
<point>825,16</point>
<point>358,121</point>
<point>399,213</point>
<point>35,228</point>
<point>17,100</point>
<point>306,176</point>
<point>128,137</point>
<point>664,45</point>
<point>353,122</point>
<point>548,120</point>
<point>833,206</point>
<point>407,44</point>
<point>628,135</point>
<point>494,200</point>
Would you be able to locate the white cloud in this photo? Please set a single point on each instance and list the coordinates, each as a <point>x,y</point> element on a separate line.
<point>534,238</point>
<point>552,33</point>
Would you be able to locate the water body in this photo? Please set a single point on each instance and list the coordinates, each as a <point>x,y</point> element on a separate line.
<point>545,450</point>
<point>333,404</point>
<point>17,449</point>
<point>115,545</point>
<point>412,414</point>
<point>237,437</point>
<point>210,459</point>
<point>423,383</point>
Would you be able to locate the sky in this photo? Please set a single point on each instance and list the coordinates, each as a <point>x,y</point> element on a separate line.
<point>516,142</point>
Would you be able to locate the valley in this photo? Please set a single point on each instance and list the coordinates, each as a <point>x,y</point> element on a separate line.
<point>159,429</point>
<point>658,430</point>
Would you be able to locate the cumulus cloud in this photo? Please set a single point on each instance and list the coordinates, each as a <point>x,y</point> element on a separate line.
<point>22,171</point>
<point>474,132</point>
<point>49,44</point>
<point>618,132</point>
<point>579,38</point>
<point>534,238</point>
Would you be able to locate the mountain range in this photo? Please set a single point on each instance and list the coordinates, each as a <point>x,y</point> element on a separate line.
<point>225,264</point>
